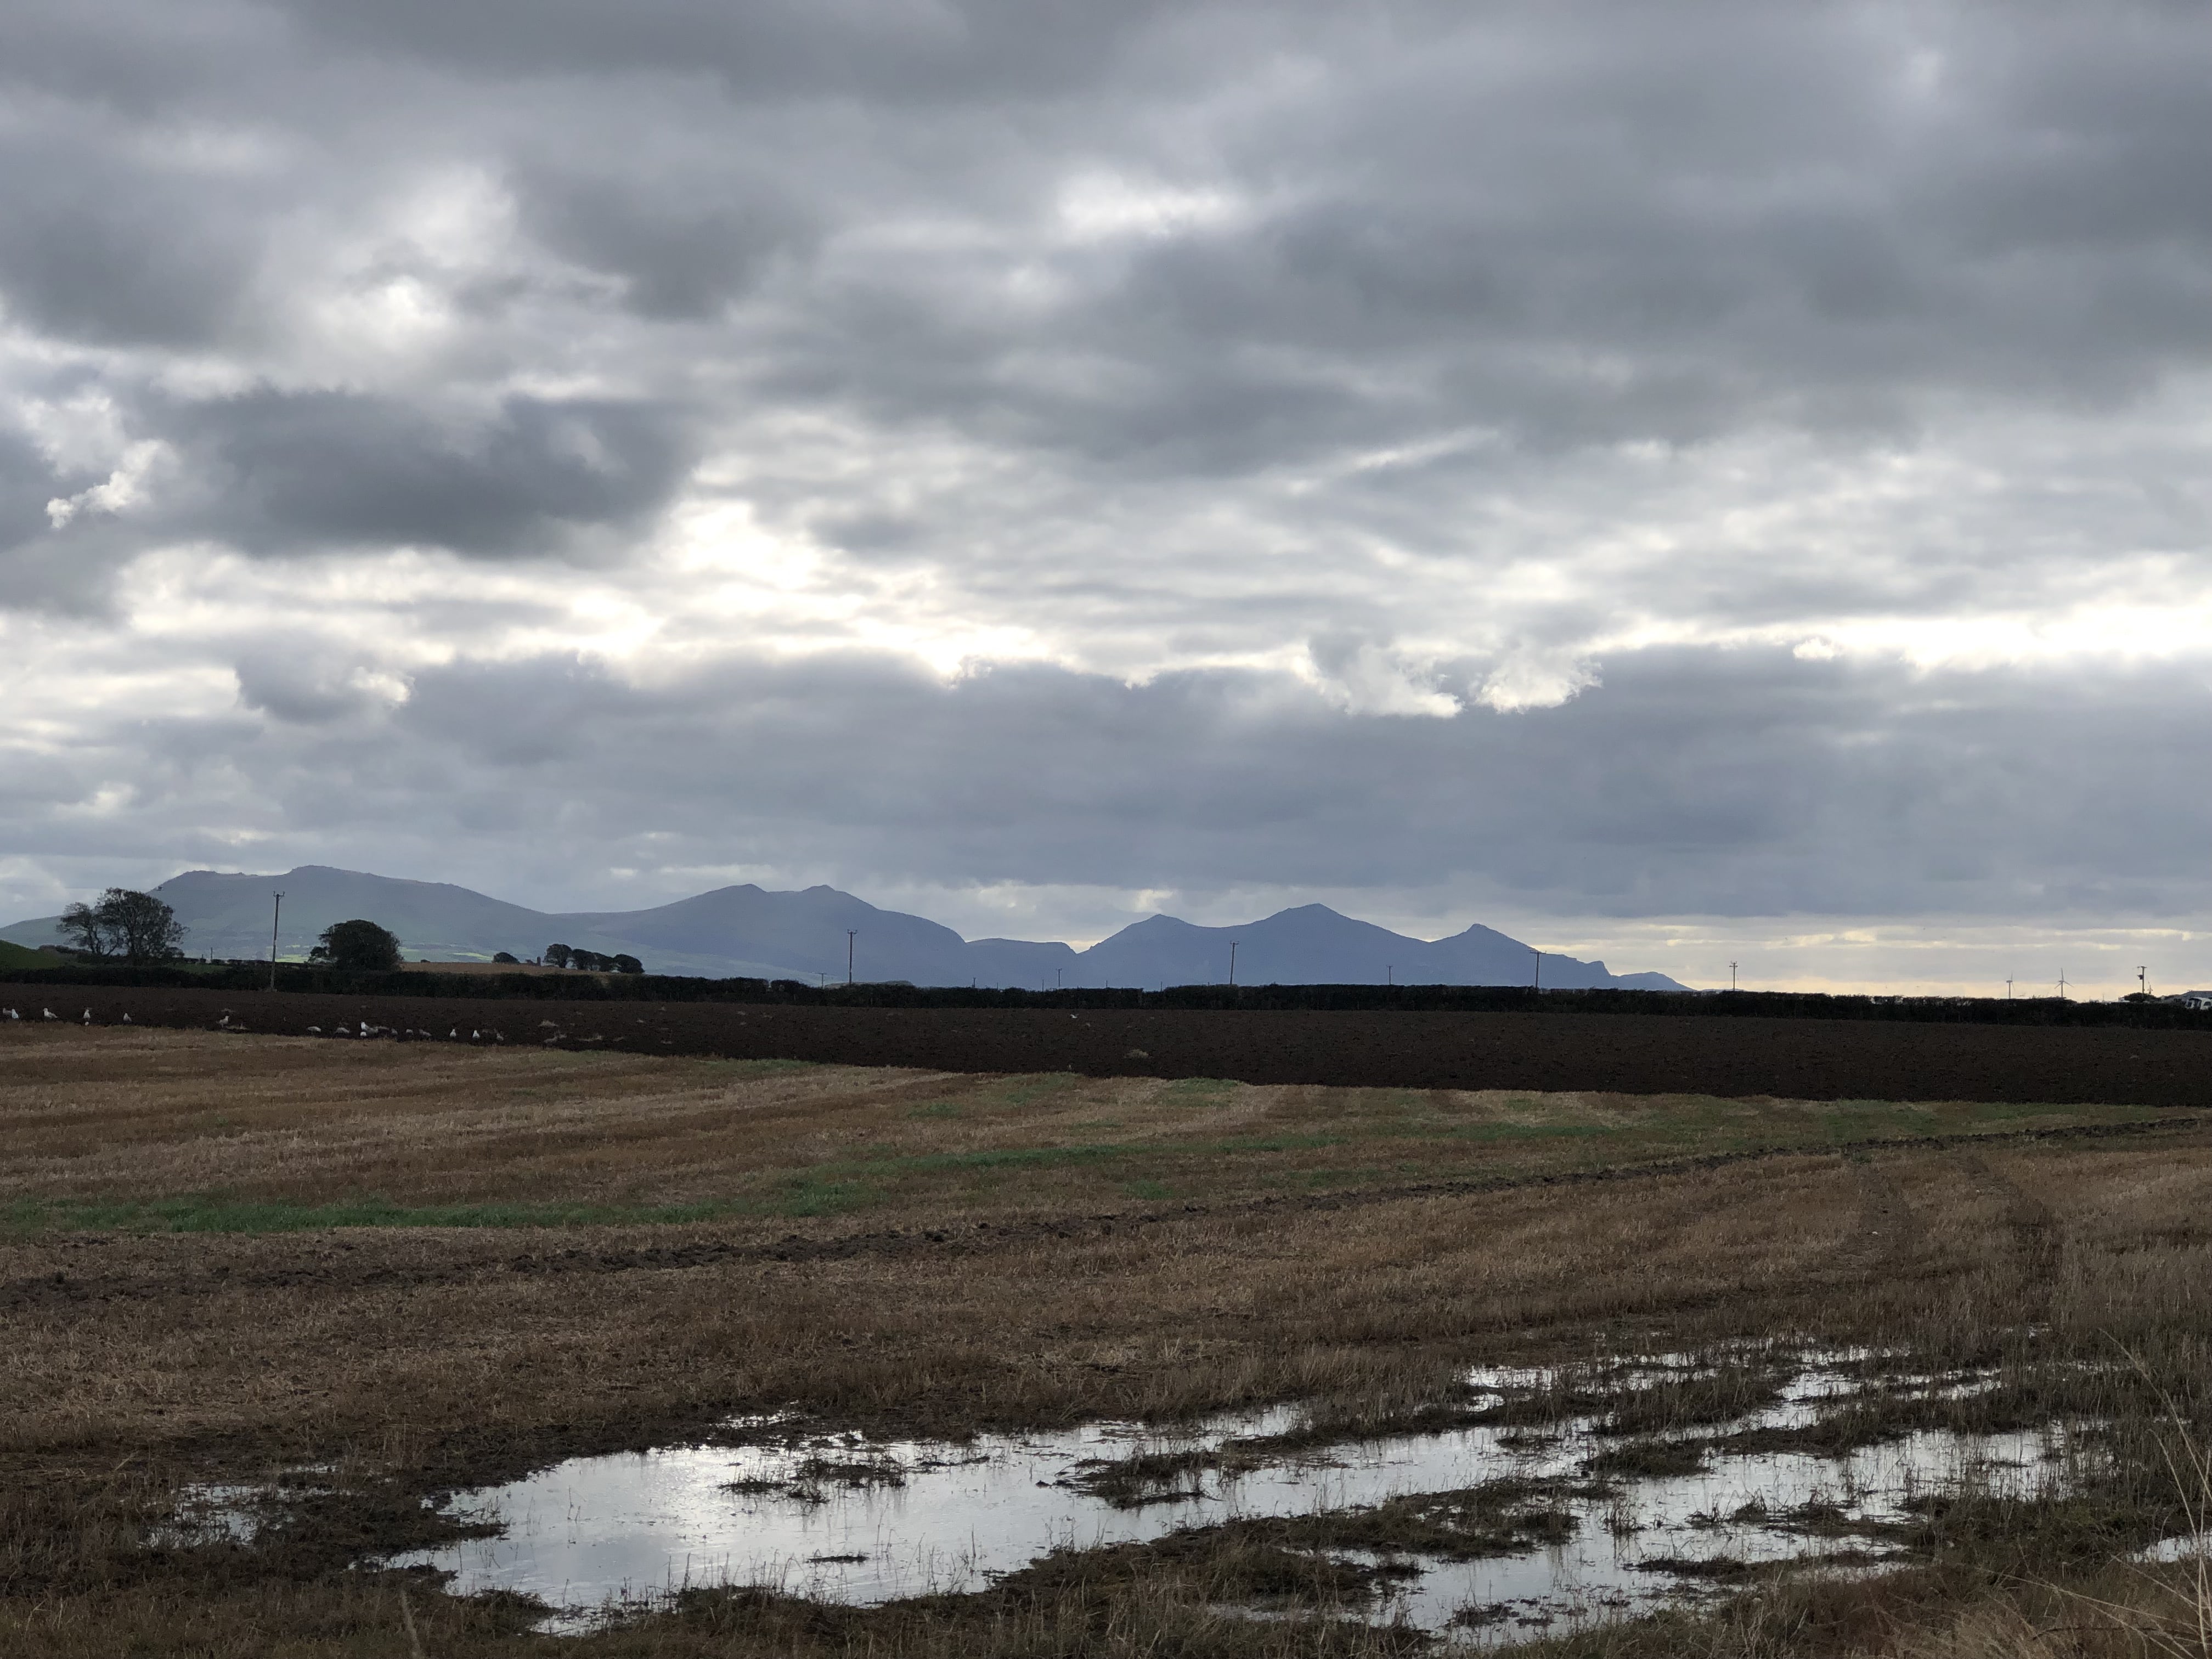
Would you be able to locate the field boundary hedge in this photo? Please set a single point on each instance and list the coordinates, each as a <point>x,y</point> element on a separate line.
<point>1412,998</point>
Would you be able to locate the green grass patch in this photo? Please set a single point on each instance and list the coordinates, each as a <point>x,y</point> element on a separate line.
<point>1031,1087</point>
<point>812,1194</point>
<point>22,956</point>
<point>936,1108</point>
<point>882,1169</point>
<point>1001,1157</point>
<point>2000,1111</point>
<point>1486,1134</point>
<point>1197,1090</point>
<point>1868,1121</point>
<point>1863,1121</point>
<point>745,1068</point>
<point>1275,1143</point>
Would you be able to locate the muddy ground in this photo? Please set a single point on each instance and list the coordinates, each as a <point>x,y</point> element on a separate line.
<point>1805,1059</point>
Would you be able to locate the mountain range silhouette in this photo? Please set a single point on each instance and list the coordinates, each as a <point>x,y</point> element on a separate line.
<point>750,930</point>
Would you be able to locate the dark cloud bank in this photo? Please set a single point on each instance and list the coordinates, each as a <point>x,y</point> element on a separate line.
<point>1738,784</point>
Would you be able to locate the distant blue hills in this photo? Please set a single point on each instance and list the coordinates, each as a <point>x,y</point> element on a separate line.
<point>749,930</point>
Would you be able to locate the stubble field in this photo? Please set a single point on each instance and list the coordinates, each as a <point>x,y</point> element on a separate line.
<point>411,1268</point>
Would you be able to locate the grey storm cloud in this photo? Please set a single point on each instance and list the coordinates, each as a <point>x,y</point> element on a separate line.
<point>97,253</point>
<point>28,483</point>
<point>1296,388</point>
<point>684,248</point>
<point>303,680</point>
<point>283,471</point>
<point>900,51</point>
<point>1741,783</point>
<point>1581,222</point>
<point>1744,783</point>
<point>1563,226</point>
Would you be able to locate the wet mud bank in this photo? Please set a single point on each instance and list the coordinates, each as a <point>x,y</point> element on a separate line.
<point>1792,1058</point>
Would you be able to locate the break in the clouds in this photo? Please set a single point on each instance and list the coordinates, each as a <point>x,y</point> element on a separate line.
<point>1698,478</point>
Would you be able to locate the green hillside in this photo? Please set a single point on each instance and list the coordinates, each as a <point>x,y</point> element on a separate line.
<point>16,957</point>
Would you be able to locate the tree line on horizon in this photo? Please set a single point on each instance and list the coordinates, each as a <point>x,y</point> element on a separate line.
<point>562,955</point>
<point>126,926</point>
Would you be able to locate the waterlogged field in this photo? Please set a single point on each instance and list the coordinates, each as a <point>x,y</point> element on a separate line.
<point>363,1348</point>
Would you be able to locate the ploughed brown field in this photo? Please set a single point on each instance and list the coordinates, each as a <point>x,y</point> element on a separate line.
<point>403,1267</point>
<point>1629,1054</point>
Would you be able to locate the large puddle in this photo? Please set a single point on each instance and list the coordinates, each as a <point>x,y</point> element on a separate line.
<point>1592,1522</point>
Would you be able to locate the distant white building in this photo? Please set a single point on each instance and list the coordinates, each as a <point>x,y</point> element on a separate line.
<point>2198,1000</point>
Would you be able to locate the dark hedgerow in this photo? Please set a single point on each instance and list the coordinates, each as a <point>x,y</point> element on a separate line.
<point>622,981</point>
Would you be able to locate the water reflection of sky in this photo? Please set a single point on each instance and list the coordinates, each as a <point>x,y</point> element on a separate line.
<point>634,1524</point>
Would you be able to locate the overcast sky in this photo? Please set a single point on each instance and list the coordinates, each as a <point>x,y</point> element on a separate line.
<point>1684,482</point>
